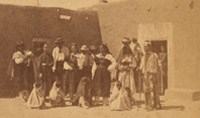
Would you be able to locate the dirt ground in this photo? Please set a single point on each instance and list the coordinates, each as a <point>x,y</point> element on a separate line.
<point>14,108</point>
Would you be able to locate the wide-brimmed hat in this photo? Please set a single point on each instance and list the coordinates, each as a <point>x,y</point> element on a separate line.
<point>134,39</point>
<point>84,48</point>
<point>126,40</point>
<point>93,47</point>
<point>59,40</point>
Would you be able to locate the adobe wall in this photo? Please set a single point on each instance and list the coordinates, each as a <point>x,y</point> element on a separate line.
<point>122,19</point>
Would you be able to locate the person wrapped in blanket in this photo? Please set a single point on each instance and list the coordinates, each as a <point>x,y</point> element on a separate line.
<point>83,93</point>
<point>18,70</point>
<point>104,64</point>
<point>56,95</point>
<point>125,67</point>
<point>149,67</point>
<point>120,98</point>
<point>36,98</point>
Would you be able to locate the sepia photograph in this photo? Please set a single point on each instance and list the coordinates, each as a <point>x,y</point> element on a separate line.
<point>100,58</point>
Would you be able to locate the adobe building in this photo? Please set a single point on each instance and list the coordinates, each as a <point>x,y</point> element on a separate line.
<point>173,23</point>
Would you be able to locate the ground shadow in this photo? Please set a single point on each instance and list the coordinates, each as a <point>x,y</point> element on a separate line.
<point>181,108</point>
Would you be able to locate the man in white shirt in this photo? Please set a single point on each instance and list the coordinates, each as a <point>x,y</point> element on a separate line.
<point>60,52</point>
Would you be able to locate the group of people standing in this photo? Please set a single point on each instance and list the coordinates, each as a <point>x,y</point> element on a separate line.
<point>84,75</point>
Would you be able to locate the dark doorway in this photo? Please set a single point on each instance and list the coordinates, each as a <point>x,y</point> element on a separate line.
<point>160,48</point>
<point>156,45</point>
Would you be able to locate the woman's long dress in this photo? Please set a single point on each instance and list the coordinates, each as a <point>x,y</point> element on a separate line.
<point>126,72</point>
<point>45,68</point>
<point>102,75</point>
<point>119,99</point>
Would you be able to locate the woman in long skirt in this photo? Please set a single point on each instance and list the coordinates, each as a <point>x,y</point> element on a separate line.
<point>45,69</point>
<point>104,63</point>
<point>125,67</point>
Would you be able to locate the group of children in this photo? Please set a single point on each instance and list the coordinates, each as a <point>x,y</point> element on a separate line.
<point>120,99</point>
<point>37,97</point>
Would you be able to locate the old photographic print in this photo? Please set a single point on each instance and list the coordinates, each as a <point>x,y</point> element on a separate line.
<point>99,59</point>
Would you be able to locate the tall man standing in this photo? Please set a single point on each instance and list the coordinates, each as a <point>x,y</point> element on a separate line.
<point>149,67</point>
<point>60,52</point>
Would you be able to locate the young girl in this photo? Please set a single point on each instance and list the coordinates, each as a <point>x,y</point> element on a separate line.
<point>120,98</point>
<point>56,95</point>
<point>36,98</point>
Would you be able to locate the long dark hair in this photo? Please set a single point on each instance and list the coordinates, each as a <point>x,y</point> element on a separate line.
<point>106,48</point>
<point>126,50</point>
<point>73,44</point>
<point>20,44</point>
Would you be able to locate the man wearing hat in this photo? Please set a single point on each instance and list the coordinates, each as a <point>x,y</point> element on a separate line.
<point>59,53</point>
<point>149,67</point>
<point>85,63</point>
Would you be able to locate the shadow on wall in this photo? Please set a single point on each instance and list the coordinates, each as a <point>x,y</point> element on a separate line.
<point>26,23</point>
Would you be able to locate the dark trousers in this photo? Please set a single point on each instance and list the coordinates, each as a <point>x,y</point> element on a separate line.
<point>59,72</point>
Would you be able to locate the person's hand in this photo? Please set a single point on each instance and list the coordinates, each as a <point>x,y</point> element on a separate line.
<point>53,69</point>
<point>44,64</point>
<point>40,75</point>
<point>80,67</point>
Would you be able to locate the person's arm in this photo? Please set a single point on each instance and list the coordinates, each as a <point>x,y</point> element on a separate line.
<point>18,58</point>
<point>133,63</point>
<point>40,66</point>
<point>113,62</point>
<point>94,67</point>
<point>67,66</point>
<point>54,59</point>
